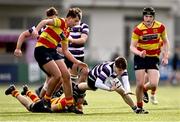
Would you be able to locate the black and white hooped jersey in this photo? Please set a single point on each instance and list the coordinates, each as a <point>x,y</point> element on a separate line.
<point>104,71</point>
<point>77,50</point>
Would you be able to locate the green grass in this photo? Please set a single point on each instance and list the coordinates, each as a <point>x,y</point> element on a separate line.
<point>103,107</point>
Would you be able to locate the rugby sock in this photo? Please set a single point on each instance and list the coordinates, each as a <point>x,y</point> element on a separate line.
<point>15,93</point>
<point>139,104</point>
<point>74,77</point>
<point>32,96</point>
<point>69,101</point>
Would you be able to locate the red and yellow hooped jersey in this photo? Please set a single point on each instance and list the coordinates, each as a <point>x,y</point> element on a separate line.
<point>149,39</point>
<point>60,102</point>
<point>53,34</point>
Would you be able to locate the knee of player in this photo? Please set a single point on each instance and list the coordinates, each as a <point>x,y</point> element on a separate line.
<point>140,85</point>
<point>66,76</point>
<point>57,77</point>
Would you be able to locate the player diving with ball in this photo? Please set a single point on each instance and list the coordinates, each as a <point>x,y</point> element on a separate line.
<point>104,76</point>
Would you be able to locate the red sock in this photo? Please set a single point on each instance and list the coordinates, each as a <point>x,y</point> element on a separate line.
<point>15,93</point>
<point>139,104</point>
<point>32,96</point>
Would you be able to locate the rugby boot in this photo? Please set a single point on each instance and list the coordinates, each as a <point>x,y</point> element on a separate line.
<point>10,89</point>
<point>153,100</point>
<point>25,89</point>
<point>140,111</point>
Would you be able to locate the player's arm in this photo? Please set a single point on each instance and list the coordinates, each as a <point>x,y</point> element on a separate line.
<point>125,79</point>
<point>84,35</point>
<point>42,24</point>
<point>59,49</point>
<point>22,37</point>
<point>80,40</point>
<point>99,84</point>
<point>68,55</point>
<point>133,46</point>
<point>100,81</point>
<point>165,48</point>
<point>66,52</point>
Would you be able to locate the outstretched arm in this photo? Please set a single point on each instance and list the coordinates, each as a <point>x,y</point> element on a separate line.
<point>99,84</point>
<point>20,41</point>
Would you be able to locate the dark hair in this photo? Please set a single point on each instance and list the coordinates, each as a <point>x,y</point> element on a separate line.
<point>121,63</point>
<point>51,11</point>
<point>75,12</point>
<point>149,11</point>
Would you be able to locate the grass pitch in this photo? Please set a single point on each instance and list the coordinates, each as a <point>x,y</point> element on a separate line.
<point>103,107</point>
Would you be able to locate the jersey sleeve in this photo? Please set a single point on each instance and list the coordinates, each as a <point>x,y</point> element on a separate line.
<point>57,22</point>
<point>85,29</point>
<point>135,35</point>
<point>65,40</point>
<point>164,33</point>
<point>104,73</point>
<point>100,84</point>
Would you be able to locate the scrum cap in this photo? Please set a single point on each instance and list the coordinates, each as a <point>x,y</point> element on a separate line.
<point>149,11</point>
